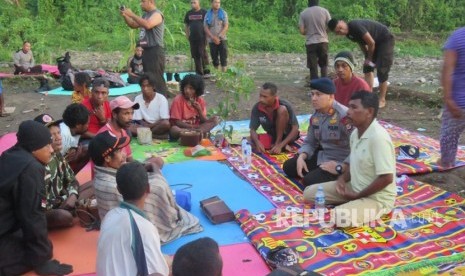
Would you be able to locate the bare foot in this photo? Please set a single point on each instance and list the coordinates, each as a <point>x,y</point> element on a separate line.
<point>382,103</point>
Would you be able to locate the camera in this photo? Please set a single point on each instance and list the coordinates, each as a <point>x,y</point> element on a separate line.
<point>122,8</point>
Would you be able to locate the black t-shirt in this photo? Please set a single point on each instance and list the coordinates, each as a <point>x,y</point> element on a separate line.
<point>358,28</point>
<point>259,117</point>
<point>194,19</point>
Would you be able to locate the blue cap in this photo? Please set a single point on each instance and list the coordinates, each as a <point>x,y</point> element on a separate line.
<point>324,85</point>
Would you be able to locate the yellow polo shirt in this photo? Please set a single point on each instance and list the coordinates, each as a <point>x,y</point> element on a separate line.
<point>372,155</point>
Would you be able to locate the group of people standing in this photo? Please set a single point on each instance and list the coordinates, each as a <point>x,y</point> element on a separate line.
<point>201,27</point>
<point>375,41</point>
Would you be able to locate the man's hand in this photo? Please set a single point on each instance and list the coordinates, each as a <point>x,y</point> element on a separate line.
<point>276,149</point>
<point>345,190</point>
<point>73,153</point>
<point>453,108</point>
<point>329,166</point>
<point>99,112</point>
<point>197,106</point>
<point>259,147</point>
<point>301,166</point>
<point>127,12</point>
<point>156,161</point>
<point>70,202</point>
<point>216,40</point>
<point>369,63</point>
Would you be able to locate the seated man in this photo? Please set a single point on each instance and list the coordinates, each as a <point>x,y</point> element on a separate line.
<point>200,257</point>
<point>128,243</point>
<point>75,123</point>
<point>61,186</point>
<point>135,66</point>
<point>98,106</point>
<point>367,189</point>
<point>122,109</point>
<point>154,110</point>
<point>327,142</point>
<point>171,221</point>
<point>347,82</point>
<point>188,110</point>
<point>24,63</point>
<point>277,118</point>
<point>24,243</point>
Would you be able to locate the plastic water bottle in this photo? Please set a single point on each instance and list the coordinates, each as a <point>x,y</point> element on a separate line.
<point>320,201</point>
<point>243,148</point>
<point>248,155</point>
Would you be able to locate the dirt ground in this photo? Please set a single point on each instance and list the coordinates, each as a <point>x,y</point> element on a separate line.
<point>413,100</point>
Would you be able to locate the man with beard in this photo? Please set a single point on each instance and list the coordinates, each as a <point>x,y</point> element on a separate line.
<point>61,186</point>
<point>24,243</point>
<point>122,109</point>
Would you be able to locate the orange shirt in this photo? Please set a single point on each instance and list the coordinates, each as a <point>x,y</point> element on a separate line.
<point>181,109</point>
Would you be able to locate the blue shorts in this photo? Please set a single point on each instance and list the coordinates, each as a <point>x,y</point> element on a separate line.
<point>1,87</point>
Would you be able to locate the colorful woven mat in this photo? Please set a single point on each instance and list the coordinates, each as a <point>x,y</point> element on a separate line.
<point>429,151</point>
<point>266,175</point>
<point>427,223</point>
<point>170,152</point>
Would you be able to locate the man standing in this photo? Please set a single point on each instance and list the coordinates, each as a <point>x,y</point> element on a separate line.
<point>277,118</point>
<point>133,247</point>
<point>152,28</point>
<point>453,83</point>
<point>347,83</point>
<point>327,143</point>
<point>24,243</point>
<point>153,112</point>
<point>366,190</point>
<point>216,25</point>
<point>312,24</point>
<point>377,44</point>
<point>195,33</point>
<point>98,106</point>
<point>122,109</point>
<point>24,63</point>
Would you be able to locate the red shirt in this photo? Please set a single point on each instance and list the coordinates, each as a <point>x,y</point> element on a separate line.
<point>94,124</point>
<point>182,110</point>
<point>345,91</point>
<point>119,134</point>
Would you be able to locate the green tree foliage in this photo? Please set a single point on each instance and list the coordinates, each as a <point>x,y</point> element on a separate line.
<point>54,26</point>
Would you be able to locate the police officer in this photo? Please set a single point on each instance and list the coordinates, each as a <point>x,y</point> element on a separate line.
<point>327,143</point>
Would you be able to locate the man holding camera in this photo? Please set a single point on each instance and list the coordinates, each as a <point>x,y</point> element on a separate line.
<point>377,44</point>
<point>152,28</point>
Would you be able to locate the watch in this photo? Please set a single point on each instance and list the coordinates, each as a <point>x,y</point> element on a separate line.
<point>339,169</point>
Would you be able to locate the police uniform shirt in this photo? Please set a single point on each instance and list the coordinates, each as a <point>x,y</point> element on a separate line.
<point>330,132</point>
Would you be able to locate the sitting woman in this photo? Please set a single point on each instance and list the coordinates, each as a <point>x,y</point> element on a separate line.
<point>188,110</point>
<point>135,67</point>
<point>81,85</point>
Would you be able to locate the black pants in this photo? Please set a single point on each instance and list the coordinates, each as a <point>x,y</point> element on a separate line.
<point>317,55</point>
<point>153,60</point>
<point>220,50</point>
<point>12,256</point>
<point>199,54</point>
<point>315,175</point>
